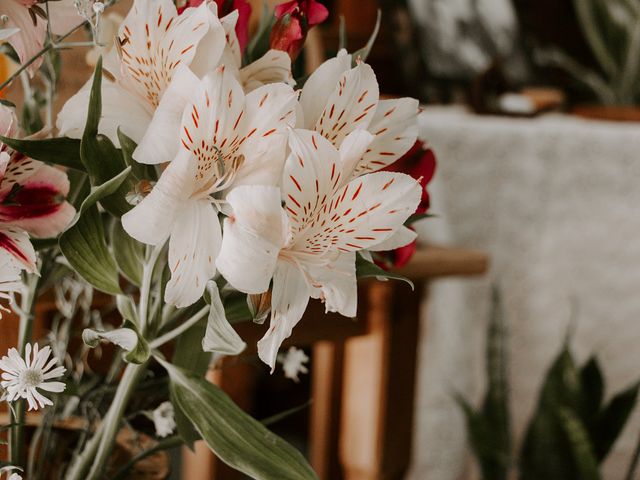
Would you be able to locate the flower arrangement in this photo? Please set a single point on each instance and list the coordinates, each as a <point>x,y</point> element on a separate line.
<point>192,184</point>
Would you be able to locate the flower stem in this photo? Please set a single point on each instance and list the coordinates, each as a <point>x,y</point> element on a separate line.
<point>178,330</point>
<point>17,414</point>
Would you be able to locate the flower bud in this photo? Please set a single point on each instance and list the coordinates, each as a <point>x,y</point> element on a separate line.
<point>294,19</point>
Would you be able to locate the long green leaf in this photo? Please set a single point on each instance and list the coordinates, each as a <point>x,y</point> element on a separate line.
<point>98,154</point>
<point>83,243</point>
<point>367,269</point>
<point>61,151</point>
<point>580,447</point>
<point>235,437</point>
<point>128,253</point>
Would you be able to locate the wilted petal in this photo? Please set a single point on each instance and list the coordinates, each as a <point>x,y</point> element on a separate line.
<point>194,245</point>
<point>336,285</point>
<point>253,236</point>
<point>289,301</point>
<point>220,337</point>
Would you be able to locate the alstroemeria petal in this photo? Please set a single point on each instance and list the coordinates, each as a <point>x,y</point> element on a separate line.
<point>320,85</point>
<point>288,303</point>
<point>220,337</point>
<point>231,56</point>
<point>312,174</point>
<point>161,141</point>
<point>273,67</point>
<point>152,220</point>
<point>115,100</point>
<point>395,127</point>
<point>30,39</point>
<point>194,245</point>
<point>352,149</point>
<point>402,237</point>
<point>253,237</point>
<point>336,285</point>
<point>15,241</point>
<point>351,105</point>
<point>366,211</point>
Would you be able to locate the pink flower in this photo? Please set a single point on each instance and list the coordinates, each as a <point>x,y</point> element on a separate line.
<point>293,21</point>
<point>225,7</point>
<point>32,199</point>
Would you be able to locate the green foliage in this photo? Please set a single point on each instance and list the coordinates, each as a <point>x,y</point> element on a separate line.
<point>367,269</point>
<point>128,253</point>
<point>235,437</point>
<point>61,151</point>
<point>571,430</point>
<point>612,30</point>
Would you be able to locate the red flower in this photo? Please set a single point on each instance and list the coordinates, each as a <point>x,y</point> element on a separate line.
<point>293,20</point>
<point>225,7</point>
<point>420,163</point>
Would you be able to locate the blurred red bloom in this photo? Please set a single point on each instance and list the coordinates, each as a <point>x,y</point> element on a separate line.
<point>420,163</point>
<point>225,7</point>
<point>293,20</point>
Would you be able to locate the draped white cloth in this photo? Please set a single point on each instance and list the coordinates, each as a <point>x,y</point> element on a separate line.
<point>555,201</point>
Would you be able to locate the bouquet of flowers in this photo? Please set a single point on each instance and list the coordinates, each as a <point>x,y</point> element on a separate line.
<point>191,183</point>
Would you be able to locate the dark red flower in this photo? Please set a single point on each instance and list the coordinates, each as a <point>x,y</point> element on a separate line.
<point>293,20</point>
<point>225,7</point>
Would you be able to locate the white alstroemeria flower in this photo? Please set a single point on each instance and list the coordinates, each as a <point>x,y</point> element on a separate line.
<point>21,378</point>
<point>309,246</point>
<point>226,139</point>
<point>342,103</point>
<point>164,419</point>
<point>293,363</point>
<point>154,41</point>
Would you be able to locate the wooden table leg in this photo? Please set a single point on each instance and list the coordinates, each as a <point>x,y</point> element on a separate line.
<point>379,386</point>
<point>326,391</point>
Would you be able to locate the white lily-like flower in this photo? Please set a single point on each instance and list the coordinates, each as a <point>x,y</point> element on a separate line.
<point>21,378</point>
<point>164,419</point>
<point>225,139</point>
<point>153,42</point>
<point>342,103</point>
<point>293,363</point>
<point>309,246</point>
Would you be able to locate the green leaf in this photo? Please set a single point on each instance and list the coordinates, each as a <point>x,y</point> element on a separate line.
<point>259,44</point>
<point>139,170</point>
<point>416,217</point>
<point>612,420</point>
<point>367,269</point>
<point>83,242</point>
<point>364,52</point>
<point>592,389</point>
<point>127,309</point>
<point>235,437</point>
<point>128,253</point>
<point>99,156</point>
<point>128,338</point>
<point>61,151</point>
<point>580,448</point>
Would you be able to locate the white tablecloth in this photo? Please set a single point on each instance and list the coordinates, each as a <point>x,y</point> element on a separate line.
<point>555,201</point>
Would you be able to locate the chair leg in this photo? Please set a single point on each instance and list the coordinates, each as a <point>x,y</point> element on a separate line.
<point>326,390</point>
<point>379,386</point>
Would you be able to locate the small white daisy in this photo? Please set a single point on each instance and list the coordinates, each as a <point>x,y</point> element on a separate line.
<point>293,363</point>
<point>22,377</point>
<point>164,419</point>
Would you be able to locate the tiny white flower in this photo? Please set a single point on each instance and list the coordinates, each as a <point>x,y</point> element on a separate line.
<point>15,476</point>
<point>293,363</point>
<point>164,419</point>
<point>22,377</point>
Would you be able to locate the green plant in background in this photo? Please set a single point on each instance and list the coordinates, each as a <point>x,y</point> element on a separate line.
<point>572,429</point>
<point>612,31</point>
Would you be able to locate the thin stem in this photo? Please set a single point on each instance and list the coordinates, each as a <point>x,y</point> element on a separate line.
<point>161,340</point>
<point>145,288</point>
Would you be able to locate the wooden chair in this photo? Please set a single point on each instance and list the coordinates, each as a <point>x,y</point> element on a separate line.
<point>363,375</point>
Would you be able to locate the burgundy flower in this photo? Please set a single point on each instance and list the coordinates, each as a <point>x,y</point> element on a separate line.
<point>225,7</point>
<point>293,21</point>
<point>420,163</point>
